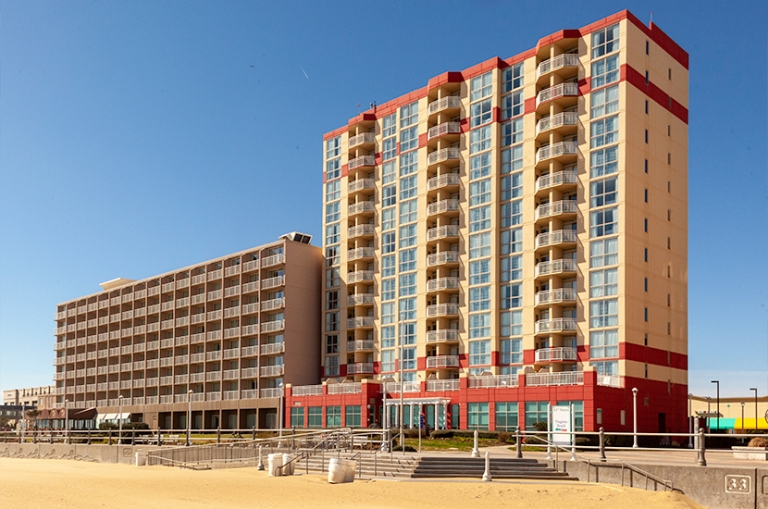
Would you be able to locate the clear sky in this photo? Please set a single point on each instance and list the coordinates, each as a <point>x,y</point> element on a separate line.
<point>138,137</point>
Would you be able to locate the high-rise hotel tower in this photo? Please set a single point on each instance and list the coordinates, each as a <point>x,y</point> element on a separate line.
<point>511,236</point>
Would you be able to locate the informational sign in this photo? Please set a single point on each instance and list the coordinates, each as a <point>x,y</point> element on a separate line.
<point>738,484</point>
<point>561,425</point>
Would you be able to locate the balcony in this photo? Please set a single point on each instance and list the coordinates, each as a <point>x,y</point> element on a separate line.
<point>406,387</point>
<point>554,296</point>
<point>445,180</point>
<point>361,162</point>
<point>442,385</point>
<point>437,310</point>
<point>269,305</point>
<point>361,184</point>
<point>345,388</point>
<point>250,351</point>
<point>554,64</point>
<point>444,129</point>
<point>556,179</point>
<point>360,322</point>
<point>249,372</point>
<point>555,238</point>
<point>251,287</point>
<point>271,261</point>
<point>250,265</point>
<point>272,348</point>
<point>444,258</point>
<point>362,207</point>
<point>271,370</point>
<point>567,118</point>
<point>560,378</point>
<point>360,253</point>
<point>307,390</point>
<point>361,140</point>
<point>556,92</point>
<point>442,336</point>
<point>443,232</point>
<point>360,299</point>
<point>446,154</point>
<point>555,209</point>
<point>443,361</point>
<point>360,276</point>
<point>442,207</point>
<point>442,284</point>
<point>360,345</point>
<point>556,354</point>
<point>360,230</point>
<point>555,325</point>
<point>274,326</point>
<point>360,368</point>
<point>562,148</point>
<point>272,282</point>
<point>485,382</point>
<point>610,380</point>
<point>450,102</point>
<point>249,394</point>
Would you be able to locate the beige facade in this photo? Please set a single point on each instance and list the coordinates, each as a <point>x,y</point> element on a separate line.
<point>231,330</point>
<point>29,397</point>
<point>525,221</point>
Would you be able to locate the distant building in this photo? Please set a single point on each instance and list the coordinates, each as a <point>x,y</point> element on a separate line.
<point>230,330</point>
<point>28,397</point>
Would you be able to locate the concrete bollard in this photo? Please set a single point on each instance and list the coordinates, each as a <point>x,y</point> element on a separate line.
<point>702,461</point>
<point>518,443</point>
<point>475,450</point>
<point>260,466</point>
<point>602,445</point>
<point>487,473</point>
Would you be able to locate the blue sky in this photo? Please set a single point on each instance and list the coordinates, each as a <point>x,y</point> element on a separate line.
<point>138,137</point>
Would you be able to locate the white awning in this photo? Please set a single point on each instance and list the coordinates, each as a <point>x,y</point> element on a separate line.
<point>123,416</point>
<point>106,417</point>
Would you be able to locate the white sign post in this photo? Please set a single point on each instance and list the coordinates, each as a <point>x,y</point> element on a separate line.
<point>561,425</point>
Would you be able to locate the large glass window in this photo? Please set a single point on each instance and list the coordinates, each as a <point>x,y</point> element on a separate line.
<point>506,416</point>
<point>477,415</point>
<point>297,417</point>
<point>407,284</point>
<point>604,252</point>
<point>407,260</point>
<point>480,298</point>
<point>512,159</point>
<point>604,131</point>
<point>511,323</point>
<point>511,268</point>
<point>481,86</point>
<point>388,195</point>
<point>333,169</point>
<point>333,417</point>
<point>535,412</point>
<point>387,361</point>
<point>480,218</point>
<point>333,147</point>
<point>315,417</point>
<point>604,343</point>
<point>480,166</point>
<point>603,222</point>
<point>388,289</point>
<point>389,149</point>
<point>602,192</point>
<point>408,187</point>
<point>407,236</point>
<point>409,139</point>
<point>479,192</point>
<point>480,113</point>
<point>390,125</point>
<point>409,114</point>
<point>605,71</point>
<point>388,219</point>
<point>480,325</point>
<point>480,140</point>
<point>332,343</point>
<point>479,272</point>
<point>605,101</point>
<point>603,283</point>
<point>388,266</point>
<point>605,41</point>
<point>409,163</point>
<point>511,351</point>
<point>479,245</point>
<point>604,313</point>
<point>511,213</point>
<point>332,212</point>
<point>604,162</point>
<point>511,241</point>
<point>332,190</point>
<point>513,77</point>
<point>511,186</point>
<point>352,419</point>
<point>512,132</point>
<point>388,337</point>
<point>511,296</point>
<point>512,105</point>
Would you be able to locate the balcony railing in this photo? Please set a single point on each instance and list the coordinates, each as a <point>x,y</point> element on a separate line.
<point>446,154</point>
<point>360,276</point>
<point>442,232</point>
<point>558,120</point>
<point>448,179</point>
<point>271,370</point>
<point>556,150</point>
<point>442,385</point>
<point>270,261</point>
<point>307,390</point>
<point>556,295</point>
<point>442,336</point>
<point>253,286</point>
<point>360,230</point>
<point>448,102</point>
<point>560,61</point>
<point>360,207</point>
<point>360,252</point>
<point>361,139</point>
<point>610,380</point>
<point>360,322</point>
<point>274,392</point>
<point>555,209</point>
<point>561,378</point>
<point>360,368</point>
<point>273,326</point>
<point>358,299</point>
<point>501,381</point>
<point>272,282</point>
<point>345,388</point>
<point>442,206</point>
<point>555,325</point>
<point>269,305</point>
<point>443,283</point>
<point>272,348</point>
<point>250,394</point>
<point>359,345</point>
<point>554,267</point>
<point>443,129</point>
<point>359,162</point>
<point>443,361</point>
<point>555,237</point>
<point>556,354</point>
<point>442,258</point>
<point>560,90</point>
<point>360,184</point>
<point>442,310</point>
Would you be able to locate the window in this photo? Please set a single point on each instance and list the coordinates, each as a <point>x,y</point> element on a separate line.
<point>646,135</point>
<point>605,41</point>
<point>511,186</point>
<point>333,190</point>
<point>479,192</point>
<point>479,272</point>
<point>646,166</point>
<point>390,125</point>
<point>645,254</point>
<point>512,132</point>
<point>512,105</point>
<point>512,159</point>
<point>606,367</point>
<point>511,352</point>
<point>388,242</point>
<point>332,278</point>
<point>645,314</point>
<point>387,361</point>
<point>332,321</point>
<point>408,187</point>
<point>511,213</point>
<point>482,86</point>
<point>332,212</point>
<point>480,113</point>
<point>479,353</point>
<point>479,166</point>
<point>480,298</point>
<point>352,418</point>
<point>388,289</point>
<point>409,358</point>
<point>511,323</point>
<point>513,77</point>
<point>603,283</point>
<point>333,147</point>
<point>480,140</point>
<point>479,245</point>
<point>604,162</point>
<point>297,417</point>
<point>332,232</point>
<point>409,139</point>
<point>511,296</point>
<point>578,413</point>
<point>477,416</point>
<point>480,218</point>
<point>605,71</point>
<point>388,219</point>
<point>388,195</point>
<point>408,260</point>
<point>535,412</point>
<point>511,268</point>
<point>387,337</point>
<point>389,149</point>
<point>408,210</point>
<point>409,114</point>
<point>333,417</point>
<point>388,172</point>
<point>407,312</point>
<point>332,300</point>
<point>602,192</point>
<point>603,344</point>
<point>605,101</point>
<point>604,313</point>
<point>480,326</point>
<point>603,222</point>
<point>333,169</point>
<point>315,417</point>
<point>645,225</point>
<point>645,284</point>
<point>646,106</point>
<point>331,256</point>
<point>604,131</point>
<point>409,163</point>
<point>407,284</point>
<point>407,236</point>
<point>645,196</point>
<point>511,241</point>
<point>388,313</point>
<point>506,416</point>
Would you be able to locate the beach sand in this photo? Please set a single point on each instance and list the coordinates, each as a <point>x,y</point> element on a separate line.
<point>49,484</point>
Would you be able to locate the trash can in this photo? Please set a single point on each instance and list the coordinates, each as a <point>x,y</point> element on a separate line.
<point>349,472</point>
<point>275,461</point>
<point>141,459</point>
<point>336,471</point>
<point>287,465</point>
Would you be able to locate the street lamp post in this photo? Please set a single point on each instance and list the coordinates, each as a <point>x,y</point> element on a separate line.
<point>718,402</point>
<point>66,420</point>
<point>280,417</point>
<point>634,416</point>
<point>189,417</point>
<point>120,420</point>
<point>755,391</point>
<point>708,413</point>
<point>402,384</point>
<point>690,421</point>
<point>742,420</point>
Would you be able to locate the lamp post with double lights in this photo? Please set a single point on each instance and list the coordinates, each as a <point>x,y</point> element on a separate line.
<point>120,421</point>
<point>189,417</point>
<point>754,389</point>
<point>717,382</point>
<point>634,416</point>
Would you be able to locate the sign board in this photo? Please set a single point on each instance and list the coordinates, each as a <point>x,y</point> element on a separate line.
<point>561,422</point>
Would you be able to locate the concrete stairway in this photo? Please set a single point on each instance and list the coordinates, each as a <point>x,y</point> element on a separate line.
<point>501,468</point>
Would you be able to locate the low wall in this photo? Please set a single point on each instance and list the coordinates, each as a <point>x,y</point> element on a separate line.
<point>713,487</point>
<point>96,453</point>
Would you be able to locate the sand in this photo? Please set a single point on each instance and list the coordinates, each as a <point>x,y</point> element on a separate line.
<point>27,483</point>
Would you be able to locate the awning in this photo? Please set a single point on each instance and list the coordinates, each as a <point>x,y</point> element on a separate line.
<point>106,417</point>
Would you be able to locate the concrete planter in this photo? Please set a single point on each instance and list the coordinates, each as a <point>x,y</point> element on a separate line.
<point>750,453</point>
